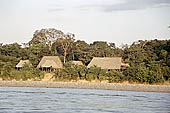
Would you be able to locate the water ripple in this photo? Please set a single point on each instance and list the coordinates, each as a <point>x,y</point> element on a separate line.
<point>59,100</point>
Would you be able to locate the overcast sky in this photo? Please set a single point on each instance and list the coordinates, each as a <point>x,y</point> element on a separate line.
<point>118,21</point>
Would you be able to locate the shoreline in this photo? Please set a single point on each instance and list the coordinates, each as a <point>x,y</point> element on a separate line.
<point>89,85</point>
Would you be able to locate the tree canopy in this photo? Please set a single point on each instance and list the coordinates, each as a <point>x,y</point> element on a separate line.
<point>149,60</point>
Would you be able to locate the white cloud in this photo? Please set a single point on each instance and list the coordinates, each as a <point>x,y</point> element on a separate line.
<point>124,5</point>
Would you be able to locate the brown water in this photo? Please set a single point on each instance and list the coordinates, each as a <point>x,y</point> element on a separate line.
<point>62,100</point>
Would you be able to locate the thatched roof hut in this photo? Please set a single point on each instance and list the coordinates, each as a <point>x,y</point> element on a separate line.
<point>79,63</point>
<point>106,62</point>
<point>50,61</point>
<point>22,63</point>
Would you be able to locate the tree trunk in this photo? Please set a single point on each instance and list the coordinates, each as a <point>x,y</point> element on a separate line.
<point>65,53</point>
<point>55,49</point>
<point>73,55</point>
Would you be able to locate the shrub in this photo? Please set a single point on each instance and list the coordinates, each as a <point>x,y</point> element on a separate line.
<point>26,73</point>
<point>93,73</point>
<point>82,71</point>
<point>115,76</point>
<point>141,73</point>
<point>69,72</point>
<point>154,77</point>
<point>5,71</point>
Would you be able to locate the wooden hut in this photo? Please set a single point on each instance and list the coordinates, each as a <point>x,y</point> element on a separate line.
<point>49,63</point>
<point>22,63</point>
<point>109,63</point>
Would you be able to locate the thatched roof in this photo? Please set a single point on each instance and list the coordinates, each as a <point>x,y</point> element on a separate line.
<point>77,63</point>
<point>22,63</point>
<point>106,62</point>
<point>50,61</point>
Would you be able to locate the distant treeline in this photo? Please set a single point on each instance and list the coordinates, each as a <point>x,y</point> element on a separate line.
<point>149,60</point>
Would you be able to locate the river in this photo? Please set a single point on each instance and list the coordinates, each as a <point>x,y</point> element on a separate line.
<point>63,100</point>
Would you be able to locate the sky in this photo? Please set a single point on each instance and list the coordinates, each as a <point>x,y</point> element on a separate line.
<point>117,21</point>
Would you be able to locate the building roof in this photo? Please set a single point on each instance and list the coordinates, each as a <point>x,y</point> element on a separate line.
<point>106,62</point>
<point>77,63</point>
<point>51,61</point>
<point>22,63</point>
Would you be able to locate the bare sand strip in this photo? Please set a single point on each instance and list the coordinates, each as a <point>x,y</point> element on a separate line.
<point>89,85</point>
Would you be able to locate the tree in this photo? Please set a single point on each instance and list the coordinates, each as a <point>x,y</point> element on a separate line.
<point>65,44</point>
<point>81,51</point>
<point>11,50</point>
<point>1,44</point>
<point>149,61</point>
<point>36,52</point>
<point>46,36</point>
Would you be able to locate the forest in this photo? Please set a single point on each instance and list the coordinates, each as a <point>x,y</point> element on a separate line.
<point>149,60</point>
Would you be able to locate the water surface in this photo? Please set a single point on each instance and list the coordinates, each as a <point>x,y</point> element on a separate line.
<point>62,100</point>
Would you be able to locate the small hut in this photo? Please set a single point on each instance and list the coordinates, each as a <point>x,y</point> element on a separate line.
<point>79,63</point>
<point>49,63</point>
<point>22,63</point>
<point>109,63</point>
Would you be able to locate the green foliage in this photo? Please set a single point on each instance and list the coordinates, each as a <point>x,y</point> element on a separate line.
<point>11,50</point>
<point>92,73</point>
<point>115,76</point>
<point>82,70</point>
<point>143,74</point>
<point>75,72</point>
<point>27,73</point>
<point>36,52</point>
<point>81,51</point>
<point>5,70</point>
<point>65,44</point>
<point>69,72</point>
<point>85,52</point>
<point>149,60</point>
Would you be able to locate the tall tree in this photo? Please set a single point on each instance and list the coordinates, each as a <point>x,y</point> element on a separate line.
<point>36,52</point>
<point>81,51</point>
<point>65,44</point>
<point>11,50</point>
<point>46,36</point>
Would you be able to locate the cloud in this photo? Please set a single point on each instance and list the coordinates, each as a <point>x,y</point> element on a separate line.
<point>126,5</point>
<point>136,5</point>
<point>109,5</point>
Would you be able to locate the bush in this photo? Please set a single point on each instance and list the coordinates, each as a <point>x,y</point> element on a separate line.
<point>93,73</point>
<point>141,73</point>
<point>102,75</point>
<point>82,71</point>
<point>75,72</point>
<point>115,76</point>
<point>166,72</point>
<point>70,72</point>
<point>27,72</point>
<point>5,71</point>
<point>17,75</point>
<point>154,77</point>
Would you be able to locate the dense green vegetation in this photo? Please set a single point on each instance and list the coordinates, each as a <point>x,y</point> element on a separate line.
<point>75,72</point>
<point>149,60</point>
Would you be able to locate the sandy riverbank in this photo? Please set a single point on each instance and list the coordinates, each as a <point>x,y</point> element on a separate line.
<point>90,85</point>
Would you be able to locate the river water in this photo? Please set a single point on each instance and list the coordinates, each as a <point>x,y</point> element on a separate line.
<point>63,100</point>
